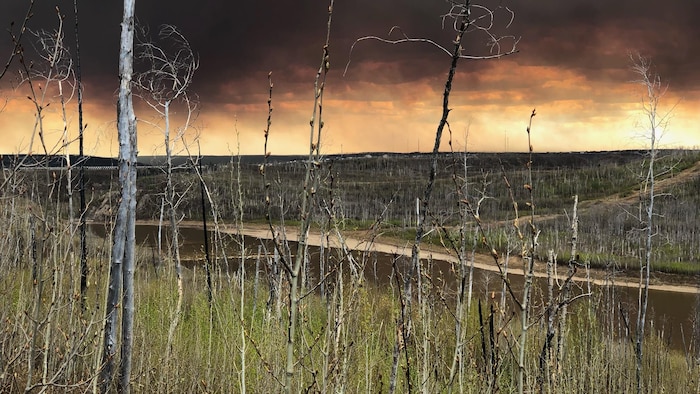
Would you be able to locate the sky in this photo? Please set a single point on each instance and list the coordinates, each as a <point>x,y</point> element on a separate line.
<point>572,65</point>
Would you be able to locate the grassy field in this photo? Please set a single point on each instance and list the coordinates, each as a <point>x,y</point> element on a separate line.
<point>347,343</point>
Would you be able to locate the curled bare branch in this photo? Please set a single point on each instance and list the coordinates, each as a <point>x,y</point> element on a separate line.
<point>54,61</point>
<point>477,18</point>
<point>168,65</point>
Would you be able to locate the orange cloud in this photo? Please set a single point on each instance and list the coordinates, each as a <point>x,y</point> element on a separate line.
<point>490,107</point>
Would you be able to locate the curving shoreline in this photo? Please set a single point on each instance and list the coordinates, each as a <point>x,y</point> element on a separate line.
<point>393,246</point>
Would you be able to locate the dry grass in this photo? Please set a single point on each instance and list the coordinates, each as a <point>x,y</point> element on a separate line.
<point>206,349</point>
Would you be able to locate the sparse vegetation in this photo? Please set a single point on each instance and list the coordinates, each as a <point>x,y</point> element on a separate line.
<point>595,360</point>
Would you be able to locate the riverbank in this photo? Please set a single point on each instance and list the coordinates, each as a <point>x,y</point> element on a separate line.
<point>358,241</point>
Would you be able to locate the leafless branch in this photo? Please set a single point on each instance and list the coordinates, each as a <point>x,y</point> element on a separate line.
<point>17,39</point>
<point>169,65</point>
<point>477,18</point>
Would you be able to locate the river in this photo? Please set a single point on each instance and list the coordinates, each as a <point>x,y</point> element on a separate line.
<point>671,309</point>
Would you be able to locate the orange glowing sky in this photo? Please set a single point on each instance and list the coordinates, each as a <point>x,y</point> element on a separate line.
<point>572,66</point>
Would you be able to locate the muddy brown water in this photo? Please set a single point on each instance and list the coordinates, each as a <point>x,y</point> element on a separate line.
<point>670,313</point>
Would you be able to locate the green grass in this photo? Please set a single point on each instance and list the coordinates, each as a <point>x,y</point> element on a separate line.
<point>207,347</point>
<point>677,267</point>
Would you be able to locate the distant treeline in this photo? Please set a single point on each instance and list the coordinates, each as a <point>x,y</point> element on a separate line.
<point>54,161</point>
<point>476,159</point>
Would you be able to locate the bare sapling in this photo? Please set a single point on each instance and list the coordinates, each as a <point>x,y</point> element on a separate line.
<point>340,298</point>
<point>466,257</point>
<point>280,245</point>
<point>169,65</point>
<point>424,297</point>
<point>207,261</point>
<point>528,255</point>
<point>215,248</point>
<point>501,263</point>
<point>558,294</point>
<point>242,247</point>
<point>237,195</point>
<point>52,71</point>
<point>292,266</point>
<point>219,251</point>
<point>559,297</point>
<point>16,38</point>
<point>489,347</point>
<point>11,179</point>
<point>654,128</point>
<point>545,381</point>
<point>84,271</point>
<point>566,291</point>
<point>694,347</point>
<point>205,230</point>
<point>311,185</point>
<point>464,16</point>
<point>335,342</point>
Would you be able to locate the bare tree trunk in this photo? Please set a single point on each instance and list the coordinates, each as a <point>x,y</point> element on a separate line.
<point>69,169</point>
<point>460,14</point>
<point>406,326</point>
<point>122,261</point>
<point>573,260</point>
<point>551,309</point>
<point>81,173</point>
<point>37,254</point>
<point>241,244</point>
<point>528,268</point>
<point>207,256</point>
<point>645,269</point>
<point>164,82</point>
<point>129,267</point>
<point>114,290</point>
<point>310,187</point>
<point>174,233</point>
<point>654,91</point>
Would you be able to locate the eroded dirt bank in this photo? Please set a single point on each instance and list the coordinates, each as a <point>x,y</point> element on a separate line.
<point>356,241</point>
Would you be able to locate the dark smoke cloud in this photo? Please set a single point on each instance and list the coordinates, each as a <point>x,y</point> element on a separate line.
<point>595,37</point>
<point>239,42</point>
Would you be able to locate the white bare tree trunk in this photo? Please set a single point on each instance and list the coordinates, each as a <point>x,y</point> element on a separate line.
<point>174,231</point>
<point>656,123</point>
<point>122,261</point>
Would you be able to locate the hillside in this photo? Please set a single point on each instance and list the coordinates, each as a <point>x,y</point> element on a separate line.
<point>368,187</point>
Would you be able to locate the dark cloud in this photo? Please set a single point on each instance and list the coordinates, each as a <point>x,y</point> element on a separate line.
<point>239,42</point>
<point>237,39</point>
<point>595,37</point>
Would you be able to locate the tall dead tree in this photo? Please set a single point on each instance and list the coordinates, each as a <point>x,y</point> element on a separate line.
<point>81,167</point>
<point>169,67</point>
<point>52,69</point>
<point>311,185</point>
<point>463,16</point>
<point>292,264</point>
<point>121,272</point>
<point>655,124</point>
